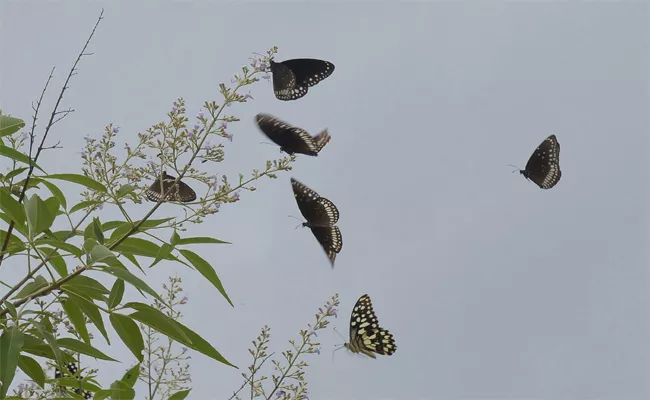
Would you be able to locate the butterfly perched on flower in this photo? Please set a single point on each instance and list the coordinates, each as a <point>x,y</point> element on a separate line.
<point>182,192</point>
<point>366,336</point>
<point>321,215</point>
<point>543,167</point>
<point>291,139</point>
<point>72,372</point>
<point>292,78</point>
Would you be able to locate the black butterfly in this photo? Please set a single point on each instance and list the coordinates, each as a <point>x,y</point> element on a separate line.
<point>543,167</point>
<point>72,369</point>
<point>291,139</point>
<point>182,192</point>
<point>292,78</point>
<point>321,215</point>
<point>365,334</point>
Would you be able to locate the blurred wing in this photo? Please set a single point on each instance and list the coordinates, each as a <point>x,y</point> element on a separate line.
<point>330,240</point>
<point>182,192</point>
<point>290,138</point>
<point>321,140</point>
<point>543,167</point>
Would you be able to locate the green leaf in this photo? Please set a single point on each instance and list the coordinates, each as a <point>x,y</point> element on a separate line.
<point>70,248</point>
<point>138,247</point>
<point>9,125</point>
<point>163,253</point>
<point>55,260</point>
<point>18,156</point>
<point>78,320</point>
<point>206,270</point>
<point>11,309</point>
<point>180,395</point>
<point>56,192</point>
<point>120,231</point>
<point>15,245</point>
<point>110,225</point>
<point>89,308</point>
<point>116,294</point>
<point>174,330</point>
<point>100,253</point>
<point>131,376</point>
<point>38,283</point>
<point>125,189</point>
<point>50,340</point>
<point>32,369</point>
<point>175,238</point>
<point>130,334</point>
<point>132,279</point>
<point>11,343</point>
<point>81,180</point>
<point>83,204</point>
<point>121,391</point>
<point>14,173</point>
<point>97,226</point>
<point>37,347</point>
<point>39,217</point>
<point>88,287</point>
<point>12,208</point>
<point>201,239</point>
<point>157,320</point>
<point>83,348</point>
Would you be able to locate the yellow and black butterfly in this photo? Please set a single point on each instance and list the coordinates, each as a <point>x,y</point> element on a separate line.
<point>182,192</point>
<point>543,167</point>
<point>72,372</point>
<point>366,336</point>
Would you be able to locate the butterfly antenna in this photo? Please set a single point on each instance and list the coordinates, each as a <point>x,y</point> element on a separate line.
<point>338,333</point>
<point>516,168</point>
<point>268,143</point>
<point>339,347</point>
<point>298,220</point>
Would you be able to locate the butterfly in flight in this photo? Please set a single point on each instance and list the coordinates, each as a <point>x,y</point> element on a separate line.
<point>543,167</point>
<point>72,370</point>
<point>321,215</point>
<point>182,192</point>
<point>292,78</point>
<point>366,336</point>
<point>291,139</point>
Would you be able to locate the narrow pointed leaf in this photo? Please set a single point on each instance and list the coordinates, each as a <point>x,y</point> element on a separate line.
<point>81,205</point>
<point>56,192</point>
<point>100,253</point>
<point>10,125</point>
<point>11,343</point>
<point>55,260</point>
<point>12,208</point>
<point>206,270</point>
<point>32,369</point>
<point>18,156</point>
<point>121,391</point>
<point>81,180</point>
<point>163,253</point>
<point>78,320</point>
<point>197,240</point>
<point>89,308</point>
<point>130,334</point>
<point>116,293</point>
<point>132,279</point>
<point>83,348</point>
<point>180,395</point>
<point>38,283</point>
<point>131,376</point>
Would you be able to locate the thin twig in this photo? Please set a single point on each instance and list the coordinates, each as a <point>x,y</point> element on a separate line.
<point>47,131</point>
<point>249,378</point>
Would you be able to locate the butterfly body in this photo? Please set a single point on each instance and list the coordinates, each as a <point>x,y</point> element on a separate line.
<point>181,193</point>
<point>366,336</point>
<point>291,139</point>
<point>72,371</point>
<point>543,167</point>
<point>292,78</point>
<point>321,215</point>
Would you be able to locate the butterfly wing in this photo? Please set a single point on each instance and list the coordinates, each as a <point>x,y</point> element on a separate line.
<point>182,192</point>
<point>543,167</point>
<point>321,140</point>
<point>309,71</point>
<point>330,240</point>
<point>304,197</point>
<point>318,211</point>
<point>366,336</point>
<point>285,86</point>
<point>291,139</point>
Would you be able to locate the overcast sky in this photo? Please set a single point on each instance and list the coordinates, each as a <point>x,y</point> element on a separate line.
<point>492,287</point>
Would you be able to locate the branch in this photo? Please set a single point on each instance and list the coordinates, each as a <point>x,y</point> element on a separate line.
<point>47,130</point>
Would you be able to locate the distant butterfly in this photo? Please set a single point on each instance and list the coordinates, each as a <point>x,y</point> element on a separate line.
<point>365,334</point>
<point>291,139</point>
<point>292,78</point>
<point>72,369</point>
<point>321,215</point>
<point>182,192</point>
<point>543,167</point>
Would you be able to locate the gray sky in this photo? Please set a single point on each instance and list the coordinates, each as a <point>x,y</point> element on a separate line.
<point>492,287</point>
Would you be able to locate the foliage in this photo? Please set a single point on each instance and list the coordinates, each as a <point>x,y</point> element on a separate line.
<point>57,312</point>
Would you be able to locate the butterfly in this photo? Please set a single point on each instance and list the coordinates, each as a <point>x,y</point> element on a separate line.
<point>182,192</point>
<point>321,215</point>
<point>292,78</point>
<point>543,167</point>
<point>365,334</point>
<point>72,369</point>
<point>291,139</point>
